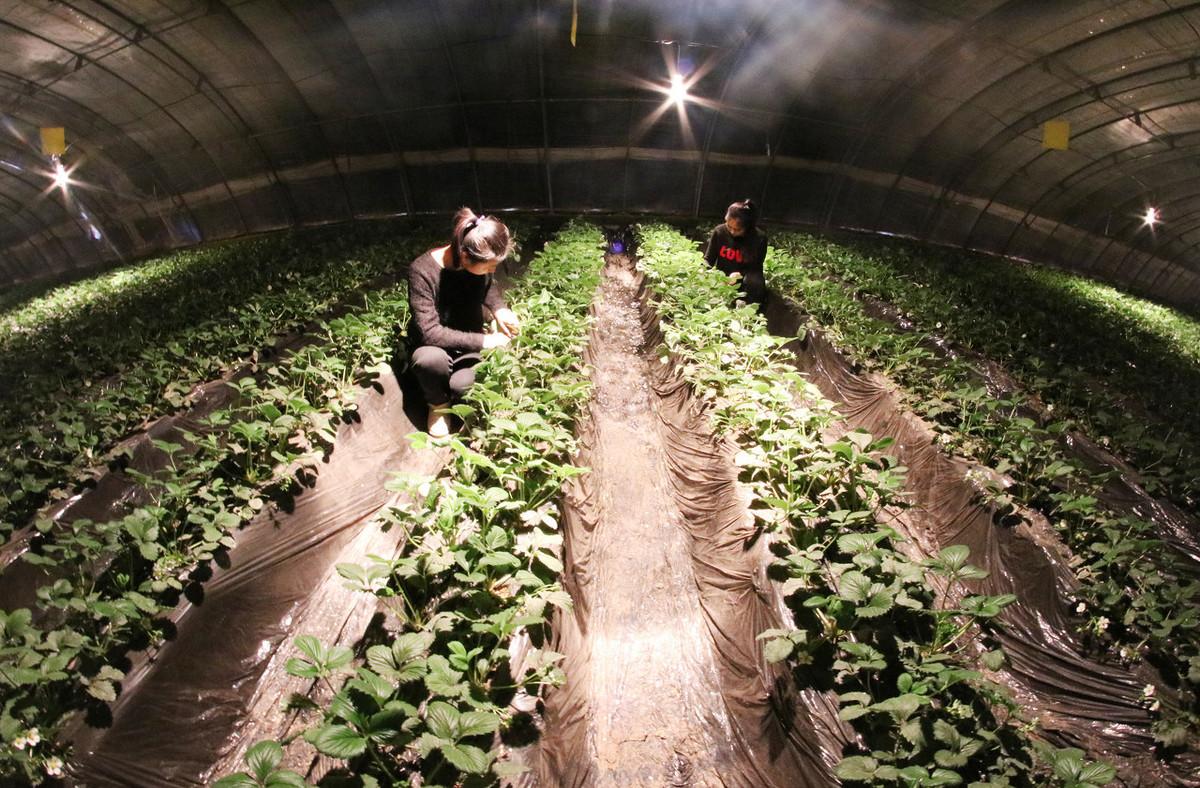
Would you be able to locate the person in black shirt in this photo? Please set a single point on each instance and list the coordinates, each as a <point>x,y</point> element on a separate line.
<point>449,289</point>
<point>738,249</point>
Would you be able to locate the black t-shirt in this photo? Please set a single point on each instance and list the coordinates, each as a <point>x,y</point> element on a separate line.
<point>743,255</point>
<point>447,305</point>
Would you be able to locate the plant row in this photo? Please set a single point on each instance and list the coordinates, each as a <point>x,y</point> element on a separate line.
<point>868,622</point>
<point>92,363</point>
<point>477,573</point>
<point>1136,594</point>
<point>110,583</point>
<point>1126,368</point>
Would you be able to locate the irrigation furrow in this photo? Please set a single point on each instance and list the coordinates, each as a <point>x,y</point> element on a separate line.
<point>1076,700</point>
<point>278,581</point>
<point>215,688</point>
<point>665,682</point>
<point>1122,492</point>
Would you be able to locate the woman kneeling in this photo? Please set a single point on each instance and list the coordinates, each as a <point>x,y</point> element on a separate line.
<point>449,289</point>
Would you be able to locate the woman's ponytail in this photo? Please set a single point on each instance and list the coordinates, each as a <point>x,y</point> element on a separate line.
<point>479,237</point>
<point>746,212</point>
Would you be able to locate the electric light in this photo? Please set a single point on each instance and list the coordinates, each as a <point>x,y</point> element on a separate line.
<point>61,177</point>
<point>1151,218</point>
<point>678,93</point>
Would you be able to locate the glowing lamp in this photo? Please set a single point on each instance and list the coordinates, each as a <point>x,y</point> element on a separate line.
<point>61,177</point>
<point>678,92</point>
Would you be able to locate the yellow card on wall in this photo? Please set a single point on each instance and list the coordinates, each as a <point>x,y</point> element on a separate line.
<point>1056,134</point>
<point>54,140</point>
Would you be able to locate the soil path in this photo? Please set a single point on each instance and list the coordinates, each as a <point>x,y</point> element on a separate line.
<point>662,690</point>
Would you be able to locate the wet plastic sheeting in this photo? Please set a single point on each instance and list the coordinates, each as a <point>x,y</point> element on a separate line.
<point>666,684</point>
<point>181,712</point>
<point>1122,492</point>
<point>1079,700</point>
<point>115,494</point>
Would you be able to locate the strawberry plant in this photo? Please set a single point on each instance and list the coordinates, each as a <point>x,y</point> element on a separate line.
<point>478,569</point>
<point>869,624</point>
<point>110,581</point>
<point>1127,369</point>
<point>1137,594</point>
<point>95,362</point>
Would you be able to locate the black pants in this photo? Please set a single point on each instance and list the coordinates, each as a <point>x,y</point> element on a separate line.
<point>753,287</point>
<point>444,375</point>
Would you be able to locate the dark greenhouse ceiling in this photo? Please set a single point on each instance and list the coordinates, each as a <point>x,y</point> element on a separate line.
<point>189,121</point>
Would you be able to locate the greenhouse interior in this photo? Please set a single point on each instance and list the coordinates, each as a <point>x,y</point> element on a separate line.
<point>540,393</point>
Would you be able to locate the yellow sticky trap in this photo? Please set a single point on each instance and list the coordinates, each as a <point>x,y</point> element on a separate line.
<point>574,20</point>
<point>1056,134</point>
<point>54,141</point>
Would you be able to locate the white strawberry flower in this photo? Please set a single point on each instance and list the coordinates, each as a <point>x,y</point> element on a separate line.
<point>53,766</point>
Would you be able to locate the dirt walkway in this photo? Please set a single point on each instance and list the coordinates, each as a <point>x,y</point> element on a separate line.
<point>656,694</point>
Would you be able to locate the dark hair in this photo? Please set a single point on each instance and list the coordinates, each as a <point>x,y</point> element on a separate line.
<point>479,237</point>
<point>745,211</point>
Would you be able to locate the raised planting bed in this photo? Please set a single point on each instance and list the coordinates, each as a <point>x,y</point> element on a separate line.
<point>107,583</point>
<point>896,639</point>
<point>1137,591</point>
<point>471,591</point>
<point>89,365</point>
<point>1127,369</point>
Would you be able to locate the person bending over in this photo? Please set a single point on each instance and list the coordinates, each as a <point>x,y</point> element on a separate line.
<point>449,289</point>
<point>738,249</point>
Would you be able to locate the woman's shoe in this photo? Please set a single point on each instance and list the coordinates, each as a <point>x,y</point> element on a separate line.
<point>438,423</point>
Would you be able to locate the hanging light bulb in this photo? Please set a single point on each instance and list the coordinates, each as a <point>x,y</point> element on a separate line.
<point>678,92</point>
<point>1151,218</point>
<point>62,178</point>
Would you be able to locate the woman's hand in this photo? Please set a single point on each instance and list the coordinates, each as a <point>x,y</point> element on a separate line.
<point>736,275</point>
<point>494,340</point>
<point>507,322</point>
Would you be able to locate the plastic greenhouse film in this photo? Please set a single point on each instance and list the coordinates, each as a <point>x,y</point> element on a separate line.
<point>665,684</point>
<point>1122,492</point>
<point>182,712</point>
<point>1077,700</point>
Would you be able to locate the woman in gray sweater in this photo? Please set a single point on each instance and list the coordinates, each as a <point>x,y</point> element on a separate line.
<point>449,290</point>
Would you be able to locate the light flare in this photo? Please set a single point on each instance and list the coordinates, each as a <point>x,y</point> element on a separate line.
<point>62,178</point>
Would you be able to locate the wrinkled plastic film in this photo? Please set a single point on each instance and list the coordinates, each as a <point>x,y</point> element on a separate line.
<point>1079,700</point>
<point>657,542</point>
<point>184,711</point>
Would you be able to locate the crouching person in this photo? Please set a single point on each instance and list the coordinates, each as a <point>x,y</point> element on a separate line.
<point>738,249</point>
<point>449,290</point>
